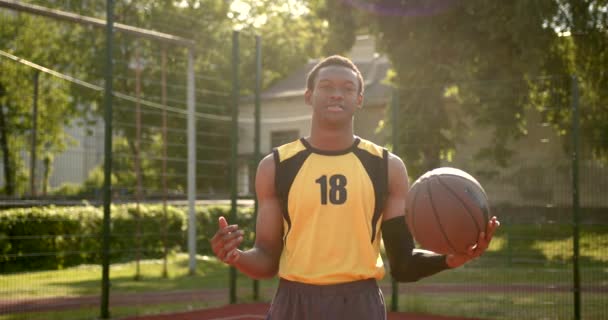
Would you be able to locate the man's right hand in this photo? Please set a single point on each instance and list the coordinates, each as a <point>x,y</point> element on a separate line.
<point>226,240</point>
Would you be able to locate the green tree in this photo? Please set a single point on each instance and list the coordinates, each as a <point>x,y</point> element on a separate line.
<point>582,51</point>
<point>343,20</point>
<point>288,36</point>
<point>487,57</point>
<point>41,42</point>
<point>461,46</point>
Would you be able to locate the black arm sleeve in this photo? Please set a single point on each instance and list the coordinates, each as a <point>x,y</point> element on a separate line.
<point>406,263</point>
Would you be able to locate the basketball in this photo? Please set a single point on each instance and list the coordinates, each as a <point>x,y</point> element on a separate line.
<point>446,210</point>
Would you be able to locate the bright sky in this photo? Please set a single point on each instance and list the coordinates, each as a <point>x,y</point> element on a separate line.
<point>240,10</point>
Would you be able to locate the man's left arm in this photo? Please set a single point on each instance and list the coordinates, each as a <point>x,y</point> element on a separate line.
<point>408,264</point>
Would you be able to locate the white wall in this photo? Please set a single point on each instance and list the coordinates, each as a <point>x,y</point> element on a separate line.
<point>83,153</point>
<point>276,115</point>
<point>79,159</point>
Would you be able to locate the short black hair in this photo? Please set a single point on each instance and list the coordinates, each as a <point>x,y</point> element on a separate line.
<point>334,60</point>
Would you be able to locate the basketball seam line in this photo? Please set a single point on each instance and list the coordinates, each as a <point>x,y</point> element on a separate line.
<point>462,203</point>
<point>464,178</point>
<point>412,227</point>
<point>485,196</point>
<point>445,236</point>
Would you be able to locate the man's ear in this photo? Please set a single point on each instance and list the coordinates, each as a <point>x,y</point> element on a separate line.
<point>308,97</point>
<point>360,101</point>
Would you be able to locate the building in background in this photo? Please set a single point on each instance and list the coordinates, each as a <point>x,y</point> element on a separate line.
<point>83,153</point>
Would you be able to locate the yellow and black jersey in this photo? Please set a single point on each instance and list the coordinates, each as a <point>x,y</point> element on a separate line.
<point>332,204</point>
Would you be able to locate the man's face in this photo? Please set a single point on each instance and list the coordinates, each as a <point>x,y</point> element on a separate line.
<point>335,94</point>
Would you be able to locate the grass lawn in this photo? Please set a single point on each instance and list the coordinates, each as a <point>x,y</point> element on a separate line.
<point>519,255</point>
<point>86,280</point>
<point>505,306</point>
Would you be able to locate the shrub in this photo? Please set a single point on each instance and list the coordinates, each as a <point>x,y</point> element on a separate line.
<point>56,237</point>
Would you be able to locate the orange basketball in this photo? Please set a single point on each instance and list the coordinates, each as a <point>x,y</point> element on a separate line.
<point>446,210</point>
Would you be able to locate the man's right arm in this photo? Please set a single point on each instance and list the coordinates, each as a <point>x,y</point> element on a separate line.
<point>262,261</point>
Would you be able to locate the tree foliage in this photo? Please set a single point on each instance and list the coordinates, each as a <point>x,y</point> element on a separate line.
<point>288,36</point>
<point>490,58</point>
<point>29,37</point>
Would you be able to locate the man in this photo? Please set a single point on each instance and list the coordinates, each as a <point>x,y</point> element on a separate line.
<point>324,203</point>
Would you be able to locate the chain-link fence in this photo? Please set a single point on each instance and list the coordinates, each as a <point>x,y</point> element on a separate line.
<point>521,139</point>
<point>172,128</point>
<point>544,172</point>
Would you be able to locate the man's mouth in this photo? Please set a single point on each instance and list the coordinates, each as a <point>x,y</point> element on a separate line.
<point>335,108</point>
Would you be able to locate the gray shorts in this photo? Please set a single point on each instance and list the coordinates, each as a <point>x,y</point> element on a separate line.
<point>353,300</point>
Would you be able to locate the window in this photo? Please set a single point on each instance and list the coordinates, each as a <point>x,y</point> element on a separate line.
<point>278,138</point>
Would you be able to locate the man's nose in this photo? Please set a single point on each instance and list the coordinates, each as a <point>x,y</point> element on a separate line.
<point>336,94</point>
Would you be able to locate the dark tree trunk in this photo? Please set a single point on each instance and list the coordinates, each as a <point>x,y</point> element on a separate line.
<point>9,176</point>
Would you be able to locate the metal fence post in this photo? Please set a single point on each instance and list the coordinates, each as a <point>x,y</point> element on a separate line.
<point>34,135</point>
<point>235,142</point>
<point>575,199</point>
<point>107,184</point>
<point>395,141</point>
<point>257,129</point>
<point>191,164</point>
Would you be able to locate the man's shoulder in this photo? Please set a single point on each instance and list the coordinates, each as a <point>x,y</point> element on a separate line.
<point>289,149</point>
<point>372,148</point>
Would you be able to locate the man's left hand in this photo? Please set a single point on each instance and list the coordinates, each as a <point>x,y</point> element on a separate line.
<point>476,250</point>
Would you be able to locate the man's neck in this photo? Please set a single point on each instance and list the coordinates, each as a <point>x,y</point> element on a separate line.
<point>331,140</point>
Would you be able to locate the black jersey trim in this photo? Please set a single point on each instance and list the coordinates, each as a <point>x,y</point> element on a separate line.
<point>285,174</point>
<point>312,149</point>
<point>377,170</point>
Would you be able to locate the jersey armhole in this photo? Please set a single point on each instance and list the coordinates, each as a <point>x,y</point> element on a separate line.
<point>385,156</point>
<point>277,160</point>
